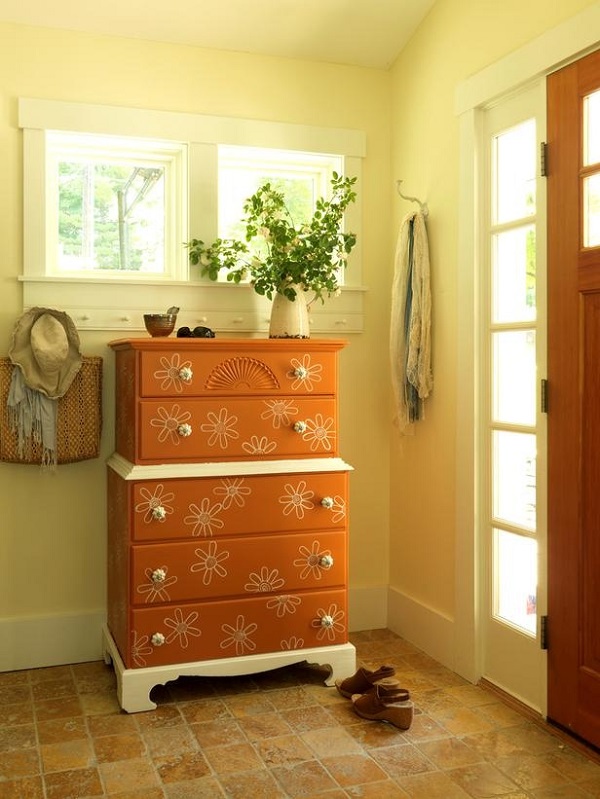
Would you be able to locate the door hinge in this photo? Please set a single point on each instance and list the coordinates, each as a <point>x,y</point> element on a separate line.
<point>544,395</point>
<point>544,159</point>
<point>544,632</point>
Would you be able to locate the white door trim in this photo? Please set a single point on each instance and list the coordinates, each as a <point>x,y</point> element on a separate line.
<point>567,42</point>
<point>551,50</point>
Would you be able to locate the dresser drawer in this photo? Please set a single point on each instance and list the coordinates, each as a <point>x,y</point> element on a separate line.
<point>277,565</point>
<point>200,507</point>
<point>235,628</point>
<point>185,373</point>
<point>236,429</point>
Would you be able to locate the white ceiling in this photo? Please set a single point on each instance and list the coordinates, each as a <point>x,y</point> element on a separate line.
<point>367,33</point>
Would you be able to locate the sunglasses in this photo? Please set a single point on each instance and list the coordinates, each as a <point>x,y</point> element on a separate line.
<point>197,332</point>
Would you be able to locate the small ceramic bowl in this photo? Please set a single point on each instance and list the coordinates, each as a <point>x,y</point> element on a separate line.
<point>160,324</point>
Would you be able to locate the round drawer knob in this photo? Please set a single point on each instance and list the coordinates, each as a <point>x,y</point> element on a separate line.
<point>158,639</point>
<point>326,561</point>
<point>186,374</point>
<point>185,430</point>
<point>300,427</point>
<point>327,502</point>
<point>327,621</point>
<point>159,513</point>
<point>158,575</point>
<point>301,372</point>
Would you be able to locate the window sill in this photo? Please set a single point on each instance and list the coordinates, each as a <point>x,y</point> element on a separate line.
<point>226,308</point>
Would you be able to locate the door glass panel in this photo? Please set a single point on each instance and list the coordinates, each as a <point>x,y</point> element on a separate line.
<point>513,275</point>
<point>514,482</point>
<point>514,185</point>
<point>510,397</point>
<point>515,578</point>
<point>511,343</point>
<point>591,129</point>
<point>514,377</point>
<point>591,210</point>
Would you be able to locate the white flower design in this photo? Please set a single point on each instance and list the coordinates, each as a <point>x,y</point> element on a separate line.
<point>293,643</point>
<point>285,603</point>
<point>221,428</point>
<point>239,636</point>
<point>310,561</point>
<point>264,582</point>
<point>170,374</point>
<point>159,499</point>
<point>139,648</point>
<point>319,432</point>
<point>333,622</point>
<point>279,411</point>
<point>338,510</point>
<point>304,374</point>
<point>168,422</point>
<point>204,518</point>
<point>156,591</point>
<point>232,490</point>
<point>297,500</point>
<point>182,628</point>
<point>210,562</point>
<point>259,446</point>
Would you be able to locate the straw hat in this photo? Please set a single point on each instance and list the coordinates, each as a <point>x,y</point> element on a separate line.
<point>45,346</point>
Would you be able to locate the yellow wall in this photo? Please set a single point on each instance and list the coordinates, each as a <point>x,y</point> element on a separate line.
<point>52,528</point>
<point>458,39</point>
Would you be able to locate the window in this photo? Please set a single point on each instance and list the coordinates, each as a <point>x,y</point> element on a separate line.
<point>115,204</point>
<point>512,332</point>
<point>301,177</point>
<point>112,194</point>
<point>591,180</point>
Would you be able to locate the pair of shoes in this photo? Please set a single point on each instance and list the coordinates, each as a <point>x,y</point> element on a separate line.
<point>363,680</point>
<point>386,689</point>
<point>385,704</point>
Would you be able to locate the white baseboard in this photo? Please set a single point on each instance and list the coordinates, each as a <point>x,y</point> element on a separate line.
<point>40,641</point>
<point>424,627</point>
<point>367,608</point>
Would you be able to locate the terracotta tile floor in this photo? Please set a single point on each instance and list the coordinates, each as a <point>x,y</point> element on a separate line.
<point>275,735</point>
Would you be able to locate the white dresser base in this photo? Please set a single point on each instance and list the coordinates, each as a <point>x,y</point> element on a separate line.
<point>134,685</point>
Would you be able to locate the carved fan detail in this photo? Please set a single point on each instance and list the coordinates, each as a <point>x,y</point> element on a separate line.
<point>240,373</point>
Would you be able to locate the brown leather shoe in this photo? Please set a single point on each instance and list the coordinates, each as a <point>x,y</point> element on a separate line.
<point>386,688</point>
<point>382,706</point>
<point>363,680</point>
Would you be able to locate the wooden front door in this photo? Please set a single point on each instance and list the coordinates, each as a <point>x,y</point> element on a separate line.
<point>574,398</point>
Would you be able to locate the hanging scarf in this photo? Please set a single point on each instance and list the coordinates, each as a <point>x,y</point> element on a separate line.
<point>410,327</point>
<point>33,416</point>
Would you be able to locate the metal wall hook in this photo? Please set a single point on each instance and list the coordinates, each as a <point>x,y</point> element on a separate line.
<point>423,206</point>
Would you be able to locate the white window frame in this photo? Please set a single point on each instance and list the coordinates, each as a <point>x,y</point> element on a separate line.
<point>114,303</point>
<point>171,156</point>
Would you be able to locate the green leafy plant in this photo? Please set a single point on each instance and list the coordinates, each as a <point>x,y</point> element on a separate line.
<point>277,255</point>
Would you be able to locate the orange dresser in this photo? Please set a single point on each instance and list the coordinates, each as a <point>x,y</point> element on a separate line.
<point>227,511</point>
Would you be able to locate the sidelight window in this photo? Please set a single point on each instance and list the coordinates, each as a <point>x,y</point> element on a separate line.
<point>512,344</point>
